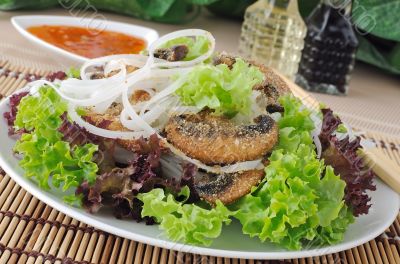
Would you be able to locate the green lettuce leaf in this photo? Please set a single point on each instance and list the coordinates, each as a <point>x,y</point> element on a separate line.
<point>341,129</point>
<point>294,204</point>
<point>197,46</point>
<point>74,73</point>
<point>42,112</point>
<point>186,223</point>
<point>226,91</point>
<point>73,199</point>
<point>295,115</point>
<point>46,157</point>
<point>334,233</point>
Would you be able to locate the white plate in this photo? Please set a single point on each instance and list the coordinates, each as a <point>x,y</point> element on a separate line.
<point>232,243</point>
<point>21,23</point>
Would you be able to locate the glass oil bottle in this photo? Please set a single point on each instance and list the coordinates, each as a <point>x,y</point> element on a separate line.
<point>273,34</point>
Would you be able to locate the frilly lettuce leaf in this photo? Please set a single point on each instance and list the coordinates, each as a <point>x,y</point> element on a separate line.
<point>300,199</point>
<point>342,155</point>
<point>295,115</point>
<point>73,72</point>
<point>44,152</point>
<point>41,113</point>
<point>10,115</point>
<point>227,91</point>
<point>186,223</point>
<point>335,231</point>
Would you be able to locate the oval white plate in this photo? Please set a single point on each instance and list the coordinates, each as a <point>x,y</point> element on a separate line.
<point>21,23</point>
<point>232,243</point>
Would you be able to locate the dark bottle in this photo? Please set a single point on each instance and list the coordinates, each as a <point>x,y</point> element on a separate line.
<point>329,51</point>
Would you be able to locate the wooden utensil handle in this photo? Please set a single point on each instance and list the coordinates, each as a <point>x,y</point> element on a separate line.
<point>385,168</point>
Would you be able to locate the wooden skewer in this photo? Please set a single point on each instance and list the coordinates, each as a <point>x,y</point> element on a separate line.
<point>385,168</point>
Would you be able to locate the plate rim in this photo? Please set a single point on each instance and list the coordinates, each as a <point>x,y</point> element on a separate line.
<point>72,212</point>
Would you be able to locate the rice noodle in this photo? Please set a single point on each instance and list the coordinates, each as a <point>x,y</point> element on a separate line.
<point>178,110</point>
<point>103,106</point>
<point>128,59</point>
<point>276,116</point>
<point>367,144</point>
<point>169,166</point>
<point>34,86</point>
<point>128,122</point>
<point>156,111</point>
<point>237,167</point>
<point>318,145</point>
<point>317,120</point>
<point>100,131</point>
<point>350,131</point>
<point>128,109</point>
<point>164,93</point>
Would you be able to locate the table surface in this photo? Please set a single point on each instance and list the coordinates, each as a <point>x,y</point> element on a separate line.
<point>372,103</point>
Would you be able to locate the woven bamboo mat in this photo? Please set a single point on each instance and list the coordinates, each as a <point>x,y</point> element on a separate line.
<point>32,232</point>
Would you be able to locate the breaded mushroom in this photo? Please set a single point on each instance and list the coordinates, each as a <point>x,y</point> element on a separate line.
<point>174,53</point>
<point>218,140</point>
<point>227,187</point>
<point>272,87</point>
<point>111,119</point>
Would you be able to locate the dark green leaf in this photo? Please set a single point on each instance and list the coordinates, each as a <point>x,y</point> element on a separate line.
<point>23,4</point>
<point>395,56</point>
<point>229,8</point>
<point>371,53</point>
<point>307,6</point>
<point>380,18</point>
<point>180,12</point>
<point>201,2</point>
<point>155,8</point>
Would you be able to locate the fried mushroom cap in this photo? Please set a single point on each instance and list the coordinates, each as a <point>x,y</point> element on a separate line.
<point>227,187</point>
<point>218,140</point>
<point>174,53</point>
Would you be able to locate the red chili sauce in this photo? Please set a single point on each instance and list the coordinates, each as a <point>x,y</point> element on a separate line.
<point>90,43</point>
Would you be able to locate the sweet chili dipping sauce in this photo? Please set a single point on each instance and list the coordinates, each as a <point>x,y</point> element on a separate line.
<point>88,42</point>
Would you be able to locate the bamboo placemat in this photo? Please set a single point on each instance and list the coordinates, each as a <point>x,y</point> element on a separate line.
<point>32,232</point>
